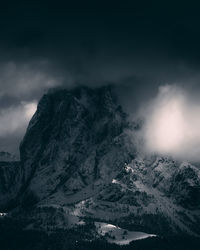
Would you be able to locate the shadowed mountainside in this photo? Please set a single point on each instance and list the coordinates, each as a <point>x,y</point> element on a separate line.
<point>79,162</point>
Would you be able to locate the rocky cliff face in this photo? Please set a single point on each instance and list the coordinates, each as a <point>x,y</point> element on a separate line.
<point>73,140</point>
<point>78,161</point>
<point>10,180</point>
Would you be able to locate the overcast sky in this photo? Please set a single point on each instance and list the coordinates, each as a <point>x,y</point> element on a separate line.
<point>138,47</point>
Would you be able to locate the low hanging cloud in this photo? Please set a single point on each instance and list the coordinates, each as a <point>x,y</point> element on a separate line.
<point>21,86</point>
<point>172,124</point>
<point>13,123</point>
<point>25,80</point>
<point>15,119</point>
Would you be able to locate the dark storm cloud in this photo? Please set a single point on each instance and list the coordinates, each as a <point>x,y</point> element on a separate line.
<point>80,35</point>
<point>138,47</point>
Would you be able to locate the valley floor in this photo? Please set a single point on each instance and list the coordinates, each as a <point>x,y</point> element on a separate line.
<point>13,237</point>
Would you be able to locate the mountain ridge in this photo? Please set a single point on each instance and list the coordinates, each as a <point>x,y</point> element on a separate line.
<point>79,163</point>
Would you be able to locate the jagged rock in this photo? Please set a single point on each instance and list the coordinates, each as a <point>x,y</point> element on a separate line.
<point>79,155</point>
<point>73,140</point>
<point>10,184</point>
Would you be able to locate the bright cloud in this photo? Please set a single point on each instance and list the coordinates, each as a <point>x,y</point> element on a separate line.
<point>172,124</point>
<point>15,118</point>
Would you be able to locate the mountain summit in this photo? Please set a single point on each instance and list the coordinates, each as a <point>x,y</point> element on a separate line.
<point>78,163</point>
<point>73,141</point>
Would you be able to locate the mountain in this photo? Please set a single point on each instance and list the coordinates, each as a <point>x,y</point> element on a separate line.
<point>71,140</point>
<point>7,157</point>
<point>10,180</point>
<point>80,164</point>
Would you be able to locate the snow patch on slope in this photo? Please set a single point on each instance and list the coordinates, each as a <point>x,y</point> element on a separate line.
<point>118,235</point>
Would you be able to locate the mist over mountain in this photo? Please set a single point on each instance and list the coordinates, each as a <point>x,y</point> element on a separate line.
<point>135,46</point>
<point>99,125</point>
<point>80,168</point>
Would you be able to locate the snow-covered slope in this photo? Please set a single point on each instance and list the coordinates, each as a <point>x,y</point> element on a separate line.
<point>79,163</point>
<point>119,236</point>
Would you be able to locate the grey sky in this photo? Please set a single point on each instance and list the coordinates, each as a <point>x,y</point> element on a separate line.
<point>137,47</point>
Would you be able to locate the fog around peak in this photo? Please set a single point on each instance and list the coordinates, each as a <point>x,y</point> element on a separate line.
<point>172,124</point>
